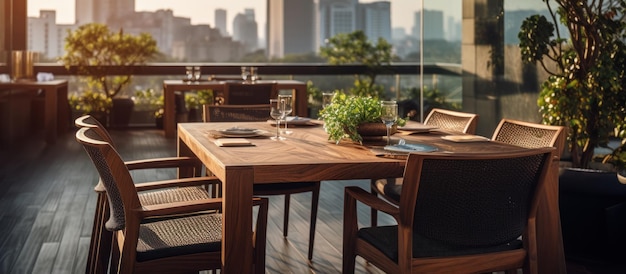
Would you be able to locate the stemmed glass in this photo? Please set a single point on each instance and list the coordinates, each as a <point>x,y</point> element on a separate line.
<point>197,74</point>
<point>287,108</point>
<point>389,115</point>
<point>245,73</point>
<point>277,113</point>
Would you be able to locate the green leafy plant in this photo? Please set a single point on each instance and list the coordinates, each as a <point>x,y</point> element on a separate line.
<point>193,100</point>
<point>344,115</point>
<point>105,58</point>
<point>585,89</point>
<point>355,48</point>
<point>90,102</point>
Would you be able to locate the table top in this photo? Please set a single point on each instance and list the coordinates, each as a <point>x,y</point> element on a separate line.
<point>33,84</point>
<point>308,155</point>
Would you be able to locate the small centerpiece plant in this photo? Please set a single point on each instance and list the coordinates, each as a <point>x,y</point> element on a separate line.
<point>346,113</point>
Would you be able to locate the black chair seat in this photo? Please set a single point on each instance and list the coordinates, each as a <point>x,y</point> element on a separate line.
<point>179,236</point>
<point>385,239</point>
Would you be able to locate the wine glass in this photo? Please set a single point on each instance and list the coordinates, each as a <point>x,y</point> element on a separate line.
<point>197,74</point>
<point>245,72</point>
<point>327,99</point>
<point>389,115</point>
<point>277,113</point>
<point>253,74</point>
<point>287,108</point>
<point>188,74</point>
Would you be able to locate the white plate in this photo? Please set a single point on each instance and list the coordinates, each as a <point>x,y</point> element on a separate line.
<point>465,138</point>
<point>411,148</point>
<point>241,132</point>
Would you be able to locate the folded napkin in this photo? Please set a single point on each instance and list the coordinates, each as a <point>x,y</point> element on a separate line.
<point>232,142</point>
<point>465,138</point>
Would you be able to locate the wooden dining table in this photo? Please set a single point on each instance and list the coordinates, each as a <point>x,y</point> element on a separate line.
<point>308,155</point>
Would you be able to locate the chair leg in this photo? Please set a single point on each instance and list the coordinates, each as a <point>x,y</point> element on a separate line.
<point>315,197</point>
<point>92,257</point>
<point>103,251</point>
<point>373,212</point>
<point>286,217</point>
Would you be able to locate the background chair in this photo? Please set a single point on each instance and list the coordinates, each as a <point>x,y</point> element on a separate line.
<point>241,93</point>
<point>462,122</point>
<point>247,113</point>
<point>530,135</point>
<point>457,213</point>
<point>150,193</point>
<point>229,113</point>
<point>165,238</point>
<point>452,120</point>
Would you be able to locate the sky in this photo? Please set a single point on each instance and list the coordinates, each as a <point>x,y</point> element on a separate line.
<point>202,11</point>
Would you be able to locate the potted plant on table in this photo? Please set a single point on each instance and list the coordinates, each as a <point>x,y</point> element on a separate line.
<point>585,93</point>
<point>105,60</point>
<point>348,116</point>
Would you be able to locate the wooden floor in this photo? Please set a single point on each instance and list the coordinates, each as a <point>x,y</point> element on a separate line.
<point>47,203</point>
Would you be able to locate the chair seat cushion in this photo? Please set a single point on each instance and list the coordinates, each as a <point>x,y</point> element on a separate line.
<point>283,188</point>
<point>171,195</point>
<point>389,188</point>
<point>385,239</point>
<point>179,236</point>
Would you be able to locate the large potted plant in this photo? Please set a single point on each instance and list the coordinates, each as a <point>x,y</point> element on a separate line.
<point>104,59</point>
<point>585,93</point>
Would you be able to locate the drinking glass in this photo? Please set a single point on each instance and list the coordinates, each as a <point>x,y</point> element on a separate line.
<point>188,74</point>
<point>327,98</point>
<point>287,108</point>
<point>277,113</point>
<point>253,74</point>
<point>197,74</point>
<point>389,115</point>
<point>245,72</point>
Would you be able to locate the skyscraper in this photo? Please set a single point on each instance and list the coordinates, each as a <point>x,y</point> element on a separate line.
<point>220,21</point>
<point>433,25</point>
<point>245,30</point>
<point>375,20</point>
<point>102,11</point>
<point>292,27</point>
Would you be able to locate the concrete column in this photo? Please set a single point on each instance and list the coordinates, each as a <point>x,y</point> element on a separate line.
<point>482,51</point>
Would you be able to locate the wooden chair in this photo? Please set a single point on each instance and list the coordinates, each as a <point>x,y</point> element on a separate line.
<point>458,213</point>
<point>452,120</point>
<point>229,113</point>
<point>176,237</point>
<point>242,93</point>
<point>462,122</point>
<point>246,113</point>
<point>530,135</point>
<point>150,194</point>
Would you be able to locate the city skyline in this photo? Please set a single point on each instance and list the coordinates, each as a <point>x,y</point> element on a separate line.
<point>202,11</point>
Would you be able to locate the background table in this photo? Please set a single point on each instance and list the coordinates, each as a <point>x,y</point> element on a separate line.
<point>171,86</point>
<point>56,106</point>
<point>307,155</point>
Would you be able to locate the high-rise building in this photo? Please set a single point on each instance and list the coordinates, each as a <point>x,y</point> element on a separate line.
<point>291,27</point>
<point>45,36</point>
<point>433,25</point>
<point>245,30</point>
<point>102,11</point>
<point>337,16</point>
<point>220,21</point>
<point>375,20</point>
